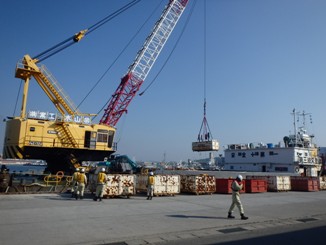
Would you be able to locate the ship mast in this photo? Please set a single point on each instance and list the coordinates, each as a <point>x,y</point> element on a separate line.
<point>295,127</point>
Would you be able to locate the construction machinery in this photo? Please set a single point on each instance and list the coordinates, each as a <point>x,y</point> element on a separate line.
<point>67,138</point>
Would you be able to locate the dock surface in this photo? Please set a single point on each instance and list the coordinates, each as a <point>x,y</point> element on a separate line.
<point>180,219</point>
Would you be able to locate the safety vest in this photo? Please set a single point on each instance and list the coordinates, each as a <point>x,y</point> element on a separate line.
<point>151,180</point>
<point>81,178</point>
<point>101,178</point>
<point>75,176</point>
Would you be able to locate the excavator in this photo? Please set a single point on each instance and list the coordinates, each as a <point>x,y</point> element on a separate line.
<point>67,138</point>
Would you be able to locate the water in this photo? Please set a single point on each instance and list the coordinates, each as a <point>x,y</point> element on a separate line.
<point>26,169</point>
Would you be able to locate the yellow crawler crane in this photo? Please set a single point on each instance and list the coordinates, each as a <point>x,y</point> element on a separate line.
<point>60,139</point>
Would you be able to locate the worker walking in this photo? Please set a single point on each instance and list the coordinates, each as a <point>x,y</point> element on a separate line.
<point>150,186</point>
<point>74,183</point>
<point>81,183</point>
<point>236,187</point>
<point>101,181</point>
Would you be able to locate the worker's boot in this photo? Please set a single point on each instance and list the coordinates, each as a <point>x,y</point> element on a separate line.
<point>76,196</point>
<point>230,216</point>
<point>100,199</point>
<point>148,198</point>
<point>95,198</point>
<point>243,217</point>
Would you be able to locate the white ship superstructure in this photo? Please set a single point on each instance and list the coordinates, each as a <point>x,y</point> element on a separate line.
<point>297,154</point>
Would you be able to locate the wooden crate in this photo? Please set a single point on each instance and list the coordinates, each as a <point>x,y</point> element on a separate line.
<point>198,184</point>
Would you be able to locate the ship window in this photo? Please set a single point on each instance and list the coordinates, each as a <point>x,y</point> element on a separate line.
<point>239,154</point>
<point>262,154</point>
<point>243,154</point>
<point>271,153</point>
<point>32,129</point>
<point>102,137</point>
<point>281,169</point>
<point>233,155</point>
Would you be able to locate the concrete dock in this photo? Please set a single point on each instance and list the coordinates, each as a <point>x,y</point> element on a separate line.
<point>181,219</point>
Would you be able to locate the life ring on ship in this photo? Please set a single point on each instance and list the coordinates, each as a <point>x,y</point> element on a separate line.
<point>60,174</point>
<point>296,169</point>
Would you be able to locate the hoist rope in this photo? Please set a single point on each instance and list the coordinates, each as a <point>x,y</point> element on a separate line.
<point>72,40</point>
<point>204,125</point>
<point>174,47</point>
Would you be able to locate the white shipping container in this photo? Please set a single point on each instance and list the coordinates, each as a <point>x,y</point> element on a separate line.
<point>120,185</point>
<point>312,172</point>
<point>164,184</point>
<point>117,185</point>
<point>275,183</point>
<point>322,183</point>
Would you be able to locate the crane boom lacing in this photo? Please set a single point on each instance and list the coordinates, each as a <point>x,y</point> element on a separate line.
<point>144,61</point>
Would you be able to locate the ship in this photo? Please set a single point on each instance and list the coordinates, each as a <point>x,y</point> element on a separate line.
<point>297,154</point>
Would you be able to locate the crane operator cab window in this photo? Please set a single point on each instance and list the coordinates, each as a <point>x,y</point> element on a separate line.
<point>101,136</point>
<point>105,136</point>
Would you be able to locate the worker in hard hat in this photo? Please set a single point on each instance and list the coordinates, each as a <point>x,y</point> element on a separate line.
<point>100,184</point>
<point>150,185</point>
<point>236,187</point>
<point>81,183</point>
<point>74,183</point>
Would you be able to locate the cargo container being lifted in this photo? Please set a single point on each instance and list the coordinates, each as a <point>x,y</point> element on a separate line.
<point>205,141</point>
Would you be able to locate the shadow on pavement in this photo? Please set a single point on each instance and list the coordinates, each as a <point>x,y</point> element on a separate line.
<point>194,216</point>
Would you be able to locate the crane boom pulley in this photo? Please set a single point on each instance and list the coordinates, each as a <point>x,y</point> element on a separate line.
<point>146,57</point>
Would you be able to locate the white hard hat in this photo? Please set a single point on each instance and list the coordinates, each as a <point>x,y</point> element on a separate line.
<point>239,177</point>
<point>82,170</point>
<point>151,173</point>
<point>103,169</point>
